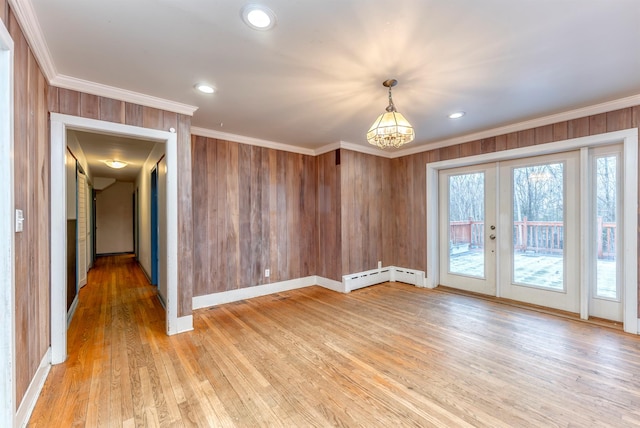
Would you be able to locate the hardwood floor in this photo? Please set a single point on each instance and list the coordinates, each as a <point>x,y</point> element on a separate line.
<point>388,355</point>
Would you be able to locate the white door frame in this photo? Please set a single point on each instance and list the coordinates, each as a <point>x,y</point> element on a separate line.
<point>59,125</point>
<point>629,140</point>
<point>7,237</point>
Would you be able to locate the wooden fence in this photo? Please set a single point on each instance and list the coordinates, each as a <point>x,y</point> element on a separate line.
<point>543,237</point>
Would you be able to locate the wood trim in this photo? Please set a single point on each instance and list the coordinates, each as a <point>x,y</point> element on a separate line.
<point>8,400</point>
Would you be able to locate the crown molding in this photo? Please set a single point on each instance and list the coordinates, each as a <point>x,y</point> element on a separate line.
<point>368,149</point>
<point>26,16</point>
<point>605,107</point>
<point>226,136</point>
<point>328,148</point>
<point>68,82</point>
<point>204,132</point>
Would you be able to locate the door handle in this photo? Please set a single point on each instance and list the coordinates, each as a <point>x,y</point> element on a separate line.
<point>492,236</point>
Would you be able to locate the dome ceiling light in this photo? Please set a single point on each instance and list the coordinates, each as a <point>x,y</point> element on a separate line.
<point>115,164</point>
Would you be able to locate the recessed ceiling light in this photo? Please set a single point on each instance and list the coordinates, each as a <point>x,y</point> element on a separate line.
<point>115,164</point>
<point>258,17</point>
<point>456,115</point>
<point>204,88</point>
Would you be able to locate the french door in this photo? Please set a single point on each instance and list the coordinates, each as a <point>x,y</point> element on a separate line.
<point>468,228</point>
<point>539,243</point>
<point>512,229</point>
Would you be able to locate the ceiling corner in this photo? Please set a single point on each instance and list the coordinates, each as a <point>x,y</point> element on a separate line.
<point>26,16</point>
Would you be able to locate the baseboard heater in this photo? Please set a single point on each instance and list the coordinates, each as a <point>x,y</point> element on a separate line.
<point>386,274</point>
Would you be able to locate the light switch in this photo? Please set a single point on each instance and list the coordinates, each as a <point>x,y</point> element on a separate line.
<point>19,221</point>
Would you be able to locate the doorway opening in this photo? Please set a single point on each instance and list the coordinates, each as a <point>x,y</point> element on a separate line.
<point>532,228</point>
<point>59,126</point>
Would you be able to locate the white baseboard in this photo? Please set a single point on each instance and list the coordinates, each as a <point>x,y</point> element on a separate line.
<point>161,300</point>
<point>331,284</point>
<point>72,310</point>
<point>184,324</point>
<point>349,283</point>
<point>251,292</point>
<point>33,391</point>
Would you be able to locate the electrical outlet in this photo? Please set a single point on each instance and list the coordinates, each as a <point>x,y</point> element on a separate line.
<point>19,221</point>
<point>267,272</point>
<point>379,265</point>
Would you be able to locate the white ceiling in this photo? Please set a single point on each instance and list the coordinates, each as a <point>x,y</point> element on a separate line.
<point>100,147</point>
<point>316,78</point>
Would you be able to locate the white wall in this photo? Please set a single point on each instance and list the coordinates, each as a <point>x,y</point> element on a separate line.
<point>143,184</point>
<point>114,219</point>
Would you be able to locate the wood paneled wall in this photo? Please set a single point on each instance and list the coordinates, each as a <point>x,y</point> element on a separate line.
<point>329,216</point>
<point>94,107</point>
<point>32,195</point>
<point>33,99</point>
<point>253,209</point>
<point>409,173</point>
<point>409,226</point>
<point>366,212</point>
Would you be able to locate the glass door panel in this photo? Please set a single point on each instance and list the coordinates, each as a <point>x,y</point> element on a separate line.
<point>538,225</point>
<point>466,224</point>
<point>606,295</point>
<point>467,228</point>
<point>606,215</point>
<point>539,199</point>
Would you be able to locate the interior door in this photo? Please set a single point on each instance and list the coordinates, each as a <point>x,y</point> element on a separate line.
<point>81,233</point>
<point>468,228</point>
<point>540,223</point>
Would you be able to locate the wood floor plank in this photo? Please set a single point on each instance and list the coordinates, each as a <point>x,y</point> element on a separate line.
<point>388,355</point>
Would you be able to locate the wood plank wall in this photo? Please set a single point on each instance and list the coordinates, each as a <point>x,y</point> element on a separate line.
<point>366,215</point>
<point>409,174</point>
<point>407,225</point>
<point>32,195</point>
<point>75,103</point>
<point>33,99</point>
<point>254,208</point>
<point>329,226</point>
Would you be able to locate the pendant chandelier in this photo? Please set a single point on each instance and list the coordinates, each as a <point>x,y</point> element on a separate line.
<point>391,129</point>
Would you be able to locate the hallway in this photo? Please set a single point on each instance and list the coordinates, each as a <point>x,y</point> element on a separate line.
<point>110,365</point>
